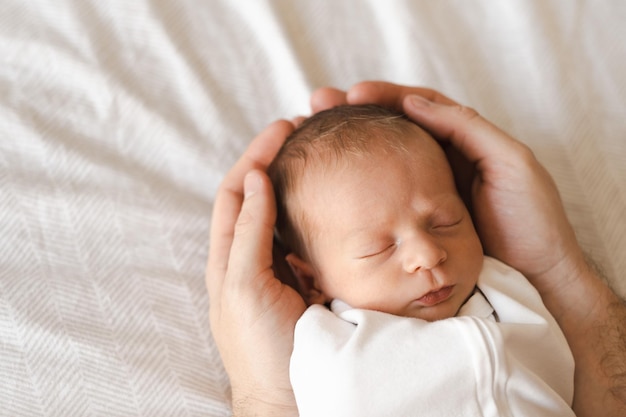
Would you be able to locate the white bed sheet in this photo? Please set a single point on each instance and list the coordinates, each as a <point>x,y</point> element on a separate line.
<point>118,120</point>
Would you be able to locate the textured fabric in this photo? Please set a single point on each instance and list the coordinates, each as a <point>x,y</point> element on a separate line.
<point>354,362</point>
<point>118,120</point>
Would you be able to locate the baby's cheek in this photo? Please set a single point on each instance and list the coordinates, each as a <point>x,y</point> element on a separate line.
<point>339,282</point>
<point>467,254</point>
<point>470,240</point>
<point>475,258</point>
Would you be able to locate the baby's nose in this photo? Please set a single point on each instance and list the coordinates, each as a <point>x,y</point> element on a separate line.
<point>422,252</point>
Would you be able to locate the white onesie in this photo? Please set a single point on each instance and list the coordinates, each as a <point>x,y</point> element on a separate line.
<point>355,362</point>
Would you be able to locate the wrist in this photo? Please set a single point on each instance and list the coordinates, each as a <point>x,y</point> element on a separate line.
<point>248,403</point>
<point>561,284</point>
<point>576,295</point>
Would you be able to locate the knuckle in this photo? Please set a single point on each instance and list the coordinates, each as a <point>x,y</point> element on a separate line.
<point>244,221</point>
<point>466,112</point>
<point>526,154</point>
<point>252,224</point>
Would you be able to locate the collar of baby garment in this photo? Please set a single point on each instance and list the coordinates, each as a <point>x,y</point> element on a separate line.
<point>476,306</point>
<point>337,306</point>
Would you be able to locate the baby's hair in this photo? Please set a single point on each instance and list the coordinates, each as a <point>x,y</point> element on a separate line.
<point>328,137</point>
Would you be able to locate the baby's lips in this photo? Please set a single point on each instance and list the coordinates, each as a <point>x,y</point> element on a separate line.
<point>436,296</point>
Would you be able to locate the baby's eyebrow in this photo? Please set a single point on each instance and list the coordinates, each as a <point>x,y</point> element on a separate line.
<point>364,235</point>
<point>366,232</point>
<point>375,228</point>
<point>354,236</point>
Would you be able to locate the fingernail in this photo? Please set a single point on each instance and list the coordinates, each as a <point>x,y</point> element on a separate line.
<point>251,184</point>
<point>297,121</point>
<point>419,101</point>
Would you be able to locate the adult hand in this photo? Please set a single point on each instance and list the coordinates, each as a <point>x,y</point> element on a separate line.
<point>252,313</point>
<point>521,221</point>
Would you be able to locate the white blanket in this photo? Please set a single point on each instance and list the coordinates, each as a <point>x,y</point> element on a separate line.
<point>118,120</point>
<point>365,363</point>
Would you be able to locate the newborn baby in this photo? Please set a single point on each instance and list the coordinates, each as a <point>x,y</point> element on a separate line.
<point>375,228</point>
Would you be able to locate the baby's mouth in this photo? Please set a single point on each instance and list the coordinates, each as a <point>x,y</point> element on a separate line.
<point>435,297</point>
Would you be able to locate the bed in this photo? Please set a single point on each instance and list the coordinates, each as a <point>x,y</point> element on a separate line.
<point>118,120</point>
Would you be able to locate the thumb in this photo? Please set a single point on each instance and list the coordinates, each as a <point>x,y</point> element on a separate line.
<point>251,251</point>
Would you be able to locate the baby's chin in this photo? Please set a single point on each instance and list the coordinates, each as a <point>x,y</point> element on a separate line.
<point>433,313</point>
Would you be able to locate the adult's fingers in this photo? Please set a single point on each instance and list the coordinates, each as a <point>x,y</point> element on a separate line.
<point>390,95</point>
<point>471,134</point>
<point>229,199</point>
<point>326,98</point>
<point>251,251</point>
<point>379,92</point>
<point>475,137</point>
<point>297,121</point>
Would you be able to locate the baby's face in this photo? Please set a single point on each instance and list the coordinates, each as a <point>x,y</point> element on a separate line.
<point>390,233</point>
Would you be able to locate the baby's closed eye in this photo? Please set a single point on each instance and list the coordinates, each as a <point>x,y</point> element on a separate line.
<point>376,250</point>
<point>445,223</point>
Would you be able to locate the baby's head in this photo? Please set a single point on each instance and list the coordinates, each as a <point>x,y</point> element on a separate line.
<point>368,208</point>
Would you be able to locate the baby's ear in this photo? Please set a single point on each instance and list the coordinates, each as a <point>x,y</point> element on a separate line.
<point>307,280</point>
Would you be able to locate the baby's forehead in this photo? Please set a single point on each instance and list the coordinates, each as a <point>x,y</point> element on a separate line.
<point>318,161</point>
<point>410,143</point>
<point>334,173</point>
